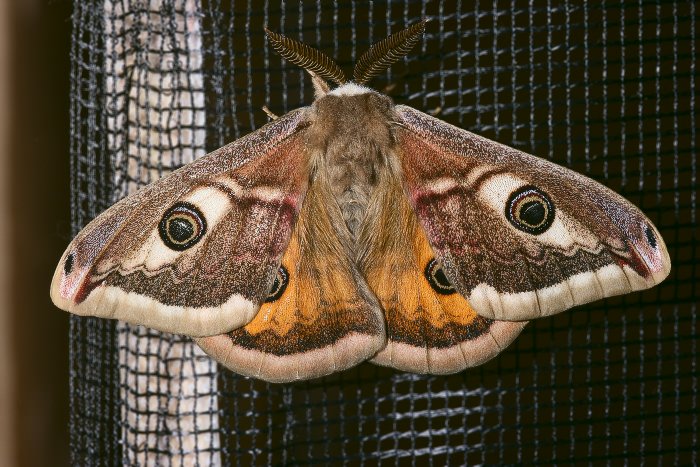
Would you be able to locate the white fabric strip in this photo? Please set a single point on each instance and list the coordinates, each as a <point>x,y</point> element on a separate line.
<point>155,102</point>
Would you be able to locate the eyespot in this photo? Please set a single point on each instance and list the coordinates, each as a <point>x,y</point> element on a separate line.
<point>437,279</point>
<point>68,264</point>
<point>651,237</point>
<point>530,209</point>
<point>279,285</point>
<point>182,226</point>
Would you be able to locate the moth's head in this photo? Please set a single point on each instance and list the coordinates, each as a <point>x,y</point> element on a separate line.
<point>348,114</point>
<point>321,67</point>
<point>353,102</point>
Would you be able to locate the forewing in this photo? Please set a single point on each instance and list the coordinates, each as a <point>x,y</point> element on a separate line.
<point>195,252</point>
<point>518,236</point>
<point>320,317</point>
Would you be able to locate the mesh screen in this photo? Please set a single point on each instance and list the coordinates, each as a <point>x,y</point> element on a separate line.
<point>608,90</point>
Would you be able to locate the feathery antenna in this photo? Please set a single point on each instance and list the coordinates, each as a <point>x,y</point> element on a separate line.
<point>385,52</point>
<point>306,57</point>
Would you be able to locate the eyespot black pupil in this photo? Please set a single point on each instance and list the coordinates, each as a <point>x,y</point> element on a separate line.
<point>180,230</point>
<point>437,279</point>
<point>651,238</point>
<point>441,279</point>
<point>275,284</point>
<point>533,213</point>
<point>68,265</point>
<point>279,285</point>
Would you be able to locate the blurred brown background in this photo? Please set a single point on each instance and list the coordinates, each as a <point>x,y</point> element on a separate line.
<point>34,204</point>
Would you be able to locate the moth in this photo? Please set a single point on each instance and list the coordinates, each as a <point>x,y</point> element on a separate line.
<point>356,229</point>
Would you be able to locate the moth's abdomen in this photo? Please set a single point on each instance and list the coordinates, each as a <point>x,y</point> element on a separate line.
<point>353,176</point>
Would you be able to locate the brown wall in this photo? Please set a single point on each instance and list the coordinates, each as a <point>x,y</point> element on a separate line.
<point>35,202</point>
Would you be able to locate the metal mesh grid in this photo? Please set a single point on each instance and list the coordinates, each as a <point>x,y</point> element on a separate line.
<point>608,90</point>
